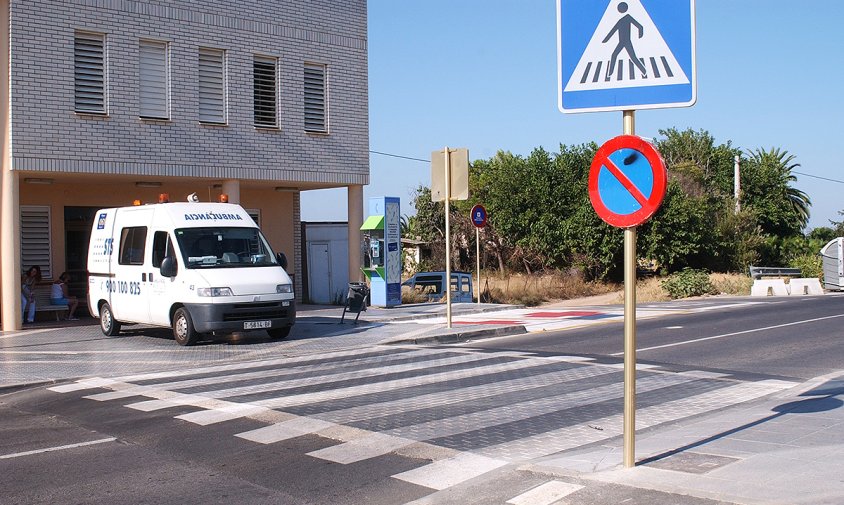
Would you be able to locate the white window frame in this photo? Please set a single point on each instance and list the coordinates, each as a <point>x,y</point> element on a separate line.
<point>154,78</point>
<point>212,82</point>
<point>36,238</point>
<point>265,60</point>
<point>85,88</point>
<point>315,97</point>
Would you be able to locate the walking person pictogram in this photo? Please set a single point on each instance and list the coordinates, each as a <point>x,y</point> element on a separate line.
<point>624,28</point>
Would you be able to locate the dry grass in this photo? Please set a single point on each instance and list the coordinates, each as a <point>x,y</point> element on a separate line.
<point>532,290</point>
<point>732,284</point>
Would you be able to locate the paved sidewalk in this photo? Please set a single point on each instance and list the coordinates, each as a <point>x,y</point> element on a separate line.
<point>787,449</point>
<point>51,351</point>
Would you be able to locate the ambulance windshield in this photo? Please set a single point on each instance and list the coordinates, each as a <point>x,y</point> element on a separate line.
<point>221,247</point>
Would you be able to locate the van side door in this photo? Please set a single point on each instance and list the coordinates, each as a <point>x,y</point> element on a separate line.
<point>129,284</point>
<point>162,289</point>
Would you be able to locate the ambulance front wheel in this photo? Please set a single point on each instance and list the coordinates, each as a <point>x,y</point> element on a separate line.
<point>108,324</point>
<point>183,330</point>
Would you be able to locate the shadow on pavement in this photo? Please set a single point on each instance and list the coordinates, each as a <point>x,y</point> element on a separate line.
<point>823,399</point>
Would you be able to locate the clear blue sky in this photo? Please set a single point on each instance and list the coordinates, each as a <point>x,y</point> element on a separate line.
<point>482,74</point>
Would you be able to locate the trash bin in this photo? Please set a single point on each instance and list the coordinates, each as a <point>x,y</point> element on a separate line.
<point>356,299</point>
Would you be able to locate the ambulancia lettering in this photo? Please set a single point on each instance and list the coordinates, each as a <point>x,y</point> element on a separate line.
<point>213,216</point>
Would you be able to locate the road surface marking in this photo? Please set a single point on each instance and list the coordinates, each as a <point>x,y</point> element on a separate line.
<point>359,449</point>
<point>59,448</point>
<point>285,430</point>
<point>546,494</point>
<point>448,472</point>
<point>694,341</point>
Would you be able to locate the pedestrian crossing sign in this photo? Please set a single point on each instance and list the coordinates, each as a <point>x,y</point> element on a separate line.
<point>625,54</point>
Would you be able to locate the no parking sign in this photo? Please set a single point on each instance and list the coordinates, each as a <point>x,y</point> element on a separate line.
<point>627,181</point>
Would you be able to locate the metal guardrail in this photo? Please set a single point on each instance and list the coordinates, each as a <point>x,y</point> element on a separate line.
<point>760,272</point>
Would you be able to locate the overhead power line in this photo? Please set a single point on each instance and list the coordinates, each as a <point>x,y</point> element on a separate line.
<point>818,177</point>
<point>399,156</point>
<point>428,161</point>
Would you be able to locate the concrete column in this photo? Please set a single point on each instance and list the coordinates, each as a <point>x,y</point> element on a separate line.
<point>231,187</point>
<point>10,250</point>
<point>355,202</point>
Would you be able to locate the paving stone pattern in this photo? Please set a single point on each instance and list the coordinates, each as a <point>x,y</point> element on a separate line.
<point>494,408</point>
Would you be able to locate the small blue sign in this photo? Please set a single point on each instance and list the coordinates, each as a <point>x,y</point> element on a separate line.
<point>625,54</point>
<point>479,216</point>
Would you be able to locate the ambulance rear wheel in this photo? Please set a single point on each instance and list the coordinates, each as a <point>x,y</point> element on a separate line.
<point>108,324</point>
<point>183,330</point>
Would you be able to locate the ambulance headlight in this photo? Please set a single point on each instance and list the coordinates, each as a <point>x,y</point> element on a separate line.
<point>284,288</point>
<point>214,291</point>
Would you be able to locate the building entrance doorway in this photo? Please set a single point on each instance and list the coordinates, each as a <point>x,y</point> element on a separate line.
<point>77,231</point>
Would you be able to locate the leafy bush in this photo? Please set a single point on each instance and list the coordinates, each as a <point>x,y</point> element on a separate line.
<point>810,264</point>
<point>688,282</point>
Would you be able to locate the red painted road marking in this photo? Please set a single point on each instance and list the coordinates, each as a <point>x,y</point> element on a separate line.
<point>547,315</point>
<point>489,321</point>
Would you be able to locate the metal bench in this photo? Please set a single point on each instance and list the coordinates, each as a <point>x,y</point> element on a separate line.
<point>43,303</point>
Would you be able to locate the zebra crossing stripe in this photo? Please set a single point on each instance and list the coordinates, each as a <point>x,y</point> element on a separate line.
<point>285,430</point>
<point>546,494</point>
<point>442,398</point>
<point>129,390</point>
<point>562,439</point>
<point>449,472</point>
<point>506,414</point>
<point>335,394</point>
<point>330,377</point>
<point>97,382</point>
<point>83,384</point>
<point>359,449</point>
<point>223,413</point>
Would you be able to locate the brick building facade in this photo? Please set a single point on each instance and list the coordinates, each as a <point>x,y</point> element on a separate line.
<point>116,100</point>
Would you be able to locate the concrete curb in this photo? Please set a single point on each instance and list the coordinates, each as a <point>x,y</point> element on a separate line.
<point>461,336</point>
<point>431,315</point>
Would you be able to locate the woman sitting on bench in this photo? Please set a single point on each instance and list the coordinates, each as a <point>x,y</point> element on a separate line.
<point>59,296</point>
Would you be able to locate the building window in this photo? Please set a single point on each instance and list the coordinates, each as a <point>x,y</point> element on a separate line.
<point>316,111</point>
<point>35,239</point>
<point>265,91</point>
<point>154,79</point>
<point>212,86</point>
<point>89,72</point>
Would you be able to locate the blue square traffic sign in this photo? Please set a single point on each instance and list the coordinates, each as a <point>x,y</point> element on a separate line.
<point>625,54</point>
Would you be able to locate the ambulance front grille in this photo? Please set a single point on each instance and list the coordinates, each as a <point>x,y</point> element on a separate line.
<point>253,311</point>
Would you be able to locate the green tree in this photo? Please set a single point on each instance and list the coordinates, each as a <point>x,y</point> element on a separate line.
<point>767,187</point>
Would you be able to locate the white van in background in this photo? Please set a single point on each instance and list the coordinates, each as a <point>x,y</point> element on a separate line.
<point>196,267</point>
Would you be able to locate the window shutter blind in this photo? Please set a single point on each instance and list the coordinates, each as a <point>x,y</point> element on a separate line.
<point>154,75</point>
<point>265,85</point>
<point>315,103</point>
<point>89,72</point>
<point>35,239</point>
<point>212,90</point>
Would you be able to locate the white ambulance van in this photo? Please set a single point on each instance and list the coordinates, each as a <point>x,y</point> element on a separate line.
<point>196,267</point>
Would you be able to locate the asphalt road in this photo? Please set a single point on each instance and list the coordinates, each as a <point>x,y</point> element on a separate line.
<point>797,338</point>
<point>400,424</point>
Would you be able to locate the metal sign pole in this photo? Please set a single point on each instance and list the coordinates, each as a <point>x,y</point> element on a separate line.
<point>629,327</point>
<point>478,244</point>
<point>447,238</point>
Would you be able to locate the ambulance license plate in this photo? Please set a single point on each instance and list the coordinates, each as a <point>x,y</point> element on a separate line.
<point>256,325</point>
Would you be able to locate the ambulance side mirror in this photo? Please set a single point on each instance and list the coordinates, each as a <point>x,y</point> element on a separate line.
<point>282,260</point>
<point>169,267</point>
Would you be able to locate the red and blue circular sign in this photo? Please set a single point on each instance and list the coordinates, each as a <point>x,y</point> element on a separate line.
<point>479,216</point>
<point>627,181</point>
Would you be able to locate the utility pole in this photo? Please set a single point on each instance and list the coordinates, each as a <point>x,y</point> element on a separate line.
<point>737,183</point>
